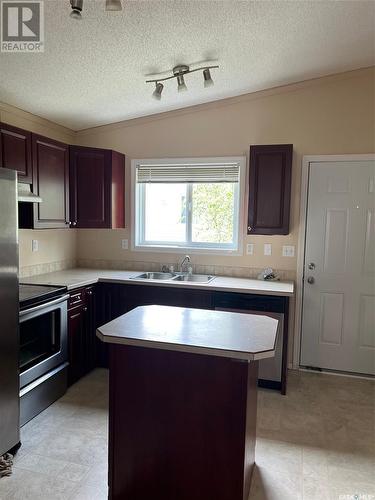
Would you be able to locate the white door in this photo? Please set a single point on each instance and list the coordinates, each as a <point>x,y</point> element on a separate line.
<point>338,317</point>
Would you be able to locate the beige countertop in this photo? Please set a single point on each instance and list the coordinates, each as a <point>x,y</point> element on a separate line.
<point>213,333</point>
<point>79,277</point>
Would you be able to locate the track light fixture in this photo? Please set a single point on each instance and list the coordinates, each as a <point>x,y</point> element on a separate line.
<point>179,73</point>
<point>77,6</point>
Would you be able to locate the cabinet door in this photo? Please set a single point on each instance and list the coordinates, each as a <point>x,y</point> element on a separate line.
<point>51,182</point>
<point>90,187</point>
<point>269,189</point>
<point>76,329</point>
<point>15,151</point>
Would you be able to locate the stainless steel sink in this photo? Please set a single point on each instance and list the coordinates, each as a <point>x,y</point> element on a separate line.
<point>196,278</point>
<point>154,276</point>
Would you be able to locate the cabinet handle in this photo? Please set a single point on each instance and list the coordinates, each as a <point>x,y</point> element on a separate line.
<point>89,292</point>
<point>85,309</point>
<point>249,228</point>
<point>74,223</point>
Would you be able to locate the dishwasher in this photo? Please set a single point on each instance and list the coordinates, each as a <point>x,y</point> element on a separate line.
<point>270,369</point>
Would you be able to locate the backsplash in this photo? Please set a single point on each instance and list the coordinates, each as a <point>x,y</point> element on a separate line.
<point>130,265</point>
<point>47,267</point>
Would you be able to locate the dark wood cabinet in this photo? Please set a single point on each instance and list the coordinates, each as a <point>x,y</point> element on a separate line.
<point>97,188</point>
<point>50,182</point>
<point>15,151</point>
<point>81,333</point>
<point>269,189</point>
<point>80,187</point>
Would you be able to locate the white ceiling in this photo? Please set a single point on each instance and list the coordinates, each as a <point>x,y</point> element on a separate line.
<point>93,72</point>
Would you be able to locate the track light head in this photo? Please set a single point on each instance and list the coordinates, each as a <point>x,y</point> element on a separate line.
<point>113,5</point>
<point>181,85</point>
<point>158,90</point>
<point>77,6</point>
<point>208,81</point>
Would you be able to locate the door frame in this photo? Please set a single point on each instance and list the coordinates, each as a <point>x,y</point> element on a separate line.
<point>307,163</point>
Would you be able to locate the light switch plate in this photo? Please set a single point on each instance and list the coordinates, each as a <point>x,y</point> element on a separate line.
<point>125,244</point>
<point>288,250</point>
<point>250,248</point>
<point>34,245</point>
<point>267,249</point>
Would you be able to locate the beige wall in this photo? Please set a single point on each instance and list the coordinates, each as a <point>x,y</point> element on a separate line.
<point>56,247</point>
<point>57,250</point>
<point>332,115</point>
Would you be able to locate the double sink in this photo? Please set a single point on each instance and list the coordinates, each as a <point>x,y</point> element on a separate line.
<point>175,277</point>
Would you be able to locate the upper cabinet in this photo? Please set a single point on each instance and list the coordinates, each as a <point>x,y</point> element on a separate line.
<point>269,189</point>
<point>15,151</point>
<point>50,182</point>
<point>97,188</point>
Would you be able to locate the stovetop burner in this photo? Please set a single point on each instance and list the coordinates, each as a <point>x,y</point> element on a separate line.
<point>31,295</point>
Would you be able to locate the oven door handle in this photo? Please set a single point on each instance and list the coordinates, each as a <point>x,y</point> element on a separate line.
<point>43,306</point>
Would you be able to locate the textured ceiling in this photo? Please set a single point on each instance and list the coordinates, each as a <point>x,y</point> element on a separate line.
<point>93,72</point>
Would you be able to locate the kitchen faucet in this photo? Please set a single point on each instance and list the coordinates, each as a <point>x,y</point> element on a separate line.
<point>185,260</point>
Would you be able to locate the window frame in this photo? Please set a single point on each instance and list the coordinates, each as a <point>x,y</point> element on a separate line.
<point>137,241</point>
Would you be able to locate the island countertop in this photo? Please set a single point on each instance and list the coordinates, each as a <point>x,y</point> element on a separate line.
<point>213,333</point>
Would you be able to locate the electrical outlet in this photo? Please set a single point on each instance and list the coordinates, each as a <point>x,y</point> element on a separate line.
<point>267,249</point>
<point>34,245</point>
<point>125,244</point>
<point>250,248</point>
<point>288,250</point>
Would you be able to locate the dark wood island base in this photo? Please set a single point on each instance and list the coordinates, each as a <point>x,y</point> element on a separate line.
<point>183,402</point>
<point>182,425</point>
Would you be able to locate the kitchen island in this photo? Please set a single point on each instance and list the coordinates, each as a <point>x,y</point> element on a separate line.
<point>183,396</point>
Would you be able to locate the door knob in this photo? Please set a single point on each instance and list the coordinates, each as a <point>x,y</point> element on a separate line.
<point>310,280</point>
<point>311,265</point>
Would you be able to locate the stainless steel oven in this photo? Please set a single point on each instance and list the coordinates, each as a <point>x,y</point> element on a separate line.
<point>43,353</point>
<point>43,339</point>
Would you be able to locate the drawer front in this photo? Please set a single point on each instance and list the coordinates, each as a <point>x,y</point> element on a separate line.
<point>76,299</point>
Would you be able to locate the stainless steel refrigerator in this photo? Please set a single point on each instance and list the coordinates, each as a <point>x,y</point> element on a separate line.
<point>9,310</point>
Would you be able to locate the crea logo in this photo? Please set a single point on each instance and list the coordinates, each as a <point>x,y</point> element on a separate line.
<point>22,26</point>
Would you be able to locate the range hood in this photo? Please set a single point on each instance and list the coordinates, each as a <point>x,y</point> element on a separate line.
<point>25,194</point>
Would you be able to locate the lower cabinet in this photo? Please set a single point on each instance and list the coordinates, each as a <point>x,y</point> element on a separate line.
<point>92,306</point>
<point>81,333</point>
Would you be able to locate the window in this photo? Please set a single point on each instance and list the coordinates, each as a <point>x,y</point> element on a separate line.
<point>192,204</point>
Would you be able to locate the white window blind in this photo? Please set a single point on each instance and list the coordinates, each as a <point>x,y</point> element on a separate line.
<point>189,173</point>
